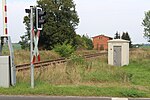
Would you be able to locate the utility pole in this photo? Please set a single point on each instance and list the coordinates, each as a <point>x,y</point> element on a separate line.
<point>39,22</point>
<point>31,47</point>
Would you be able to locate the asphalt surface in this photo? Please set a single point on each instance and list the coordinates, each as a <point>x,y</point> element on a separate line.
<point>64,98</point>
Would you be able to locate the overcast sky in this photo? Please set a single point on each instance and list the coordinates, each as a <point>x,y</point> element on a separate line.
<point>96,17</point>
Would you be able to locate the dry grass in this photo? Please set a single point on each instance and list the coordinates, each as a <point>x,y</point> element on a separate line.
<point>23,56</point>
<point>139,53</point>
<point>86,71</point>
<point>78,71</point>
<point>52,74</point>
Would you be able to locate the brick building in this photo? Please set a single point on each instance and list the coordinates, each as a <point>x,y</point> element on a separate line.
<point>100,42</point>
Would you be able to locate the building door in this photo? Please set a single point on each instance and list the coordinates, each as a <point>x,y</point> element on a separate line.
<point>117,55</point>
<point>101,47</point>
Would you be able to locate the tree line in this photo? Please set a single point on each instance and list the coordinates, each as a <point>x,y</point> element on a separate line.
<point>125,36</point>
<point>61,22</point>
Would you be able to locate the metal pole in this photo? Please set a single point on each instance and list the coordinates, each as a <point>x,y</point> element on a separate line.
<point>13,67</point>
<point>31,47</point>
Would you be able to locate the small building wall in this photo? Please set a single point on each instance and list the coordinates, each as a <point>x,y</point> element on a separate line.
<point>124,44</point>
<point>100,42</point>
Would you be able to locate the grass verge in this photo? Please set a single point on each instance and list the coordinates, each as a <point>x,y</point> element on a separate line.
<point>88,77</point>
<point>72,90</point>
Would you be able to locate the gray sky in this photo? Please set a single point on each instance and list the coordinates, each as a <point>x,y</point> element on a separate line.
<point>96,17</point>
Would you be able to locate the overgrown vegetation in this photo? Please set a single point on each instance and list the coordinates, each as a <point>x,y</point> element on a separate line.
<point>23,56</point>
<point>89,77</point>
<point>64,50</point>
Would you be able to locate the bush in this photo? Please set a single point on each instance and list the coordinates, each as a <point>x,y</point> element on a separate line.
<point>64,50</point>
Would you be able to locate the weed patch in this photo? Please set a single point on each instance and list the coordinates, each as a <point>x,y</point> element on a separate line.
<point>132,93</point>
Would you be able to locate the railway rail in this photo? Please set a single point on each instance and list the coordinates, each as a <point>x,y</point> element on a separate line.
<point>53,62</point>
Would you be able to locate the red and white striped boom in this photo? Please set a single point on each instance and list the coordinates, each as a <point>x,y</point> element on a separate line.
<point>4,6</point>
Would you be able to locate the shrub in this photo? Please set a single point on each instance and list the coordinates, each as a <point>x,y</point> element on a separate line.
<point>64,50</point>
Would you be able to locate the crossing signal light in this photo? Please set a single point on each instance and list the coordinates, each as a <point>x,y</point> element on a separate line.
<point>39,14</point>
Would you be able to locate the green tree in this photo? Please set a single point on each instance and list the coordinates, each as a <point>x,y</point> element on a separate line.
<point>88,42</point>
<point>126,36</point>
<point>123,36</point>
<point>79,43</point>
<point>117,36</point>
<point>146,24</point>
<point>25,38</point>
<point>83,42</point>
<point>61,22</point>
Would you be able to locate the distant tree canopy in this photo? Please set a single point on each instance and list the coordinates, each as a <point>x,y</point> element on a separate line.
<point>117,36</point>
<point>146,24</point>
<point>61,22</point>
<point>83,42</point>
<point>126,36</point>
<point>25,39</point>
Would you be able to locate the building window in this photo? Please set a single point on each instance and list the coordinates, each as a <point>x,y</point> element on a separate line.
<point>100,38</point>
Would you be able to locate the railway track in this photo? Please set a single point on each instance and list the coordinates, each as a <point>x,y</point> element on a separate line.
<point>53,62</point>
<point>94,55</point>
